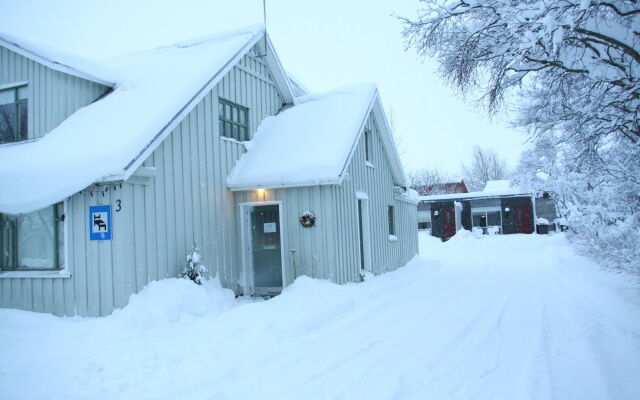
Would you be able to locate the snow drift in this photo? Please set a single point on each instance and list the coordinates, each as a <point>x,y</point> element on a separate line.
<point>500,317</point>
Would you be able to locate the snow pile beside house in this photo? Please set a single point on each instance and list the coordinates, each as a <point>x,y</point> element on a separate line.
<point>100,140</point>
<point>501,317</point>
<point>170,300</point>
<point>307,144</point>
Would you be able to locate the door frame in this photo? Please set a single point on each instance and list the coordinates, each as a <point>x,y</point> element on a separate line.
<point>246,242</point>
<point>363,199</point>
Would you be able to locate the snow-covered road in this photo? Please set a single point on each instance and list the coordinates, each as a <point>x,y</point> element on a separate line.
<point>504,317</point>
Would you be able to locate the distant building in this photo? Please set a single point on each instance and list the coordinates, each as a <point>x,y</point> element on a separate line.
<point>424,217</point>
<point>498,209</point>
<point>441,188</point>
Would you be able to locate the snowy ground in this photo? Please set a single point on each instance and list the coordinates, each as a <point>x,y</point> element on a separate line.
<point>510,317</point>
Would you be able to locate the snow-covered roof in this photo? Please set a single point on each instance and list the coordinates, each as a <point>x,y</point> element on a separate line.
<point>497,185</point>
<point>110,138</point>
<point>497,188</point>
<point>59,60</point>
<point>312,142</point>
<point>299,89</point>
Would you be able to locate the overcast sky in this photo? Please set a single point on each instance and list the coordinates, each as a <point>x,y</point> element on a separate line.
<point>325,44</point>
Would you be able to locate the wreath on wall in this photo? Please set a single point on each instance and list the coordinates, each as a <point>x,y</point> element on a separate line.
<point>307,219</point>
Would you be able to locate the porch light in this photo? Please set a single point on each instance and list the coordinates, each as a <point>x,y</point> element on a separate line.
<point>261,193</point>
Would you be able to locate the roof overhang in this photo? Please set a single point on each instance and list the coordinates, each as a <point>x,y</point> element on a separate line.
<point>471,198</point>
<point>240,188</point>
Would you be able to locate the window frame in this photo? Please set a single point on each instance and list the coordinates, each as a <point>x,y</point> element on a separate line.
<point>391,220</point>
<point>60,245</point>
<point>424,225</point>
<point>367,145</point>
<point>223,120</point>
<point>17,101</point>
<point>483,212</point>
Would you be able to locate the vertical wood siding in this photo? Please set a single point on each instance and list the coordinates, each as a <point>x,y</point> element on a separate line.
<point>330,250</point>
<point>53,95</point>
<point>160,217</point>
<point>378,183</point>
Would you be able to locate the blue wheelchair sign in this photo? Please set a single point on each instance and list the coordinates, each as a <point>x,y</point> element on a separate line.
<point>100,222</point>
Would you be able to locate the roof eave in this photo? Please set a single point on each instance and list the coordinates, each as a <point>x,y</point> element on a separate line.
<point>247,187</point>
<point>467,198</point>
<point>53,64</point>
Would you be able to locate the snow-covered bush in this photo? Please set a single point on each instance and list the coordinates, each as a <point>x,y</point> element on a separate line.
<point>598,198</point>
<point>194,269</point>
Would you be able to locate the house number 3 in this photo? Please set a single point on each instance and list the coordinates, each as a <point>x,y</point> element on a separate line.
<point>118,205</point>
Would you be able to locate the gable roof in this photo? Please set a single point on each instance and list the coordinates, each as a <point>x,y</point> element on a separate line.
<point>312,143</point>
<point>110,138</point>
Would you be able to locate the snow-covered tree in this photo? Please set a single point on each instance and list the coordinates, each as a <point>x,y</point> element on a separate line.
<point>485,165</point>
<point>601,205</point>
<point>578,59</point>
<point>573,66</point>
<point>194,269</point>
<point>426,181</point>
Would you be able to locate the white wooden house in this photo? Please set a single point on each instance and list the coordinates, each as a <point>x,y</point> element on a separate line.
<point>110,172</point>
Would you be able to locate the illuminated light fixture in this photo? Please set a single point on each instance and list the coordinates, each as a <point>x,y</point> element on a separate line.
<point>261,193</point>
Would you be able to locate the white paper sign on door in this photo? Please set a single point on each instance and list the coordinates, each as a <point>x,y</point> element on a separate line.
<point>269,227</point>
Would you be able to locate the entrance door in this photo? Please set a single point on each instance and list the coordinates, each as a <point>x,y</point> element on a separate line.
<point>448,218</point>
<point>522,218</point>
<point>266,252</point>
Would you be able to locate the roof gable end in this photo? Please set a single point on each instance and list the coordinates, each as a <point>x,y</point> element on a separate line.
<point>388,143</point>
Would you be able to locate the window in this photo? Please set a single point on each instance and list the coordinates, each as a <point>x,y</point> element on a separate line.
<point>13,115</point>
<point>480,220</point>
<point>424,219</point>
<point>367,145</point>
<point>32,241</point>
<point>486,218</point>
<point>233,120</point>
<point>423,226</point>
<point>392,227</point>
